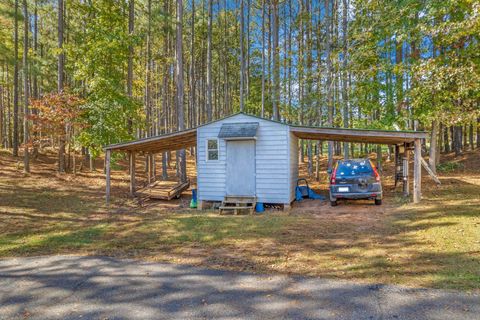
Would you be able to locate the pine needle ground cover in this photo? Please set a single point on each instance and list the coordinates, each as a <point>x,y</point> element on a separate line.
<point>433,244</point>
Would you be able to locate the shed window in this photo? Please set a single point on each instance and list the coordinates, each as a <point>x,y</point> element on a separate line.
<point>212,149</point>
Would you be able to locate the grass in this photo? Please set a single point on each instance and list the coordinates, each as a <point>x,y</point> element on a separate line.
<point>433,244</point>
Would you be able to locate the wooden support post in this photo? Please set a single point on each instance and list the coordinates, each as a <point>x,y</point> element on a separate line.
<point>417,172</point>
<point>154,167</point>
<point>148,168</point>
<point>406,182</point>
<point>430,172</point>
<point>396,161</point>
<point>107,174</point>
<point>132,173</point>
<point>200,204</point>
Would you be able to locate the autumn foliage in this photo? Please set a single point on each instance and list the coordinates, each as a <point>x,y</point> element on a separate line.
<point>56,115</point>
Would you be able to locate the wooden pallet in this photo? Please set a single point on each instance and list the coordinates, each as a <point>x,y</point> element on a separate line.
<point>238,204</point>
<point>163,190</point>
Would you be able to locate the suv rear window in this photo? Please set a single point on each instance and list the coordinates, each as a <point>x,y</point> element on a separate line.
<point>352,168</point>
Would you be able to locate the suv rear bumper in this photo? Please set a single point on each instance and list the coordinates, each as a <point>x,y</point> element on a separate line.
<point>360,195</point>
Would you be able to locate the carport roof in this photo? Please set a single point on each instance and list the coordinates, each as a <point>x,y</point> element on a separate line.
<point>357,135</point>
<point>188,138</point>
<point>164,142</point>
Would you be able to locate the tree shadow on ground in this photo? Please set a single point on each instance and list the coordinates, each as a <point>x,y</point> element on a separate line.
<point>97,287</point>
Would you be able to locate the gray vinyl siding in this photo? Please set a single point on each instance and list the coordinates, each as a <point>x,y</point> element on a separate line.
<point>271,161</point>
<point>293,165</point>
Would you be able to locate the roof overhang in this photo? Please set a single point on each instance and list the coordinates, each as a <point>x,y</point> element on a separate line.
<point>165,142</point>
<point>357,135</point>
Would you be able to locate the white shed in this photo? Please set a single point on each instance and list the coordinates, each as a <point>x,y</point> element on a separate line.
<point>247,156</point>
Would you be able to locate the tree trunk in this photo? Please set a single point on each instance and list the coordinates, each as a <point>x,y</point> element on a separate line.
<point>61,156</point>
<point>74,162</point>
<point>478,132</point>
<point>2,126</point>
<point>192,67</point>
<point>439,143</point>
<point>432,155</point>
<point>310,158</point>
<point>60,75</point>
<point>225,61</point>
<point>344,74</point>
<point>26,156</point>
<point>470,136</point>
<point>300,71</point>
<point>131,25</point>
<point>276,63</point>
<point>60,46</point>
<point>15,85</point>
<point>263,59</point>
<point>289,53</point>
<point>379,157</point>
<point>209,62</point>
<point>446,142</point>
<point>91,161</point>
<point>247,51</point>
<point>328,20</point>
<point>148,72</point>
<point>242,58</point>
<point>179,83</point>
<point>458,140</point>
<point>35,49</point>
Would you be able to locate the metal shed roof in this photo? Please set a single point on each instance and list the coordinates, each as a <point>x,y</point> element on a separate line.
<point>165,142</point>
<point>238,130</point>
<point>357,135</point>
<point>188,138</point>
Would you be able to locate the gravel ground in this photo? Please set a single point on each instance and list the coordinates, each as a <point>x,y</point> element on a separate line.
<point>72,287</point>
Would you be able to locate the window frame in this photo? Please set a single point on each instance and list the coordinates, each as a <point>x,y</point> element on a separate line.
<point>207,150</point>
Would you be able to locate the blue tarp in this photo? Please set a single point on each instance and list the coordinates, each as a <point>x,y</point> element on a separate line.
<point>311,194</point>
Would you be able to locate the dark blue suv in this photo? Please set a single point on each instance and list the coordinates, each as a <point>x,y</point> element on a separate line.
<point>355,179</point>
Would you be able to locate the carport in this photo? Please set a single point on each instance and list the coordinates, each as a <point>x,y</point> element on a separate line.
<point>404,141</point>
<point>148,147</point>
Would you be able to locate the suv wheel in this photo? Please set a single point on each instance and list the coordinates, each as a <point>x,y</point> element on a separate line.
<point>378,202</point>
<point>333,203</point>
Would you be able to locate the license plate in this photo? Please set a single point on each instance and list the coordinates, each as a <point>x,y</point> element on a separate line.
<point>342,189</point>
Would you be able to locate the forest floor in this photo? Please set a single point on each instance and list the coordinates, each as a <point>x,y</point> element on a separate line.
<point>432,244</point>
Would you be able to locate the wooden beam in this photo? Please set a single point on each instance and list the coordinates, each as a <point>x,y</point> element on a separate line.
<point>107,174</point>
<point>154,167</point>
<point>148,168</point>
<point>396,161</point>
<point>359,139</point>
<point>417,172</point>
<point>132,173</point>
<point>406,174</point>
<point>430,172</point>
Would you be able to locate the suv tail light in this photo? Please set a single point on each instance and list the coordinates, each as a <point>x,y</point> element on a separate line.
<point>334,176</point>
<point>377,176</point>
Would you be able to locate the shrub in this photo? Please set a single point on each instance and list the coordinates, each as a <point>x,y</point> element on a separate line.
<point>449,167</point>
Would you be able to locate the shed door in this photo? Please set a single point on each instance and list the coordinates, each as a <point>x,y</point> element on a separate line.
<point>240,168</point>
